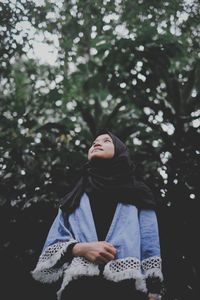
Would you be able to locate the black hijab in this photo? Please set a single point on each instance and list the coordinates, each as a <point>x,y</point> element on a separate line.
<point>112,179</point>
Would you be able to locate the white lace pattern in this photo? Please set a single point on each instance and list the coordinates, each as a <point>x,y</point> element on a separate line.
<point>152,267</point>
<point>125,268</point>
<point>45,270</point>
<point>79,266</point>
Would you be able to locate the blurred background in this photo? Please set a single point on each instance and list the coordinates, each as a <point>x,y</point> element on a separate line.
<point>69,68</point>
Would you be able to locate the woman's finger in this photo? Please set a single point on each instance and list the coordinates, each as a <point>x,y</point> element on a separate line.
<point>107,256</point>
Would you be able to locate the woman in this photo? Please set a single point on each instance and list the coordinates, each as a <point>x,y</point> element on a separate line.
<point>105,237</point>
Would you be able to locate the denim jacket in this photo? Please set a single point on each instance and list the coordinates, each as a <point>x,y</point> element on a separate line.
<point>134,233</point>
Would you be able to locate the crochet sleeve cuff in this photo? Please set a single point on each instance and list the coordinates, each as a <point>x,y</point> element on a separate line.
<point>153,273</point>
<point>53,261</point>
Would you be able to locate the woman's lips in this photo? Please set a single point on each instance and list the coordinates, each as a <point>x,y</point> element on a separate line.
<point>97,149</point>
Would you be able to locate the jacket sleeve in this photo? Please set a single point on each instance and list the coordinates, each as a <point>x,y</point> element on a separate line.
<point>150,250</point>
<point>56,252</point>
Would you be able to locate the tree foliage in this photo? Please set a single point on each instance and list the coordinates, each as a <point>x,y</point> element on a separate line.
<point>130,66</point>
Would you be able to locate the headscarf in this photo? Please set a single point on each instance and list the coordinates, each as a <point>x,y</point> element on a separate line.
<point>111,178</point>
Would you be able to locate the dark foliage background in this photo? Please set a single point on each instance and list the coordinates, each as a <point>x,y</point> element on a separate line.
<point>130,66</point>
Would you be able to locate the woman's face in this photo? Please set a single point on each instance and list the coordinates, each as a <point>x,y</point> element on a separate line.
<point>102,147</point>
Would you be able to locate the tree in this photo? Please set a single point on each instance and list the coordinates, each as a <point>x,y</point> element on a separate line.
<point>132,67</point>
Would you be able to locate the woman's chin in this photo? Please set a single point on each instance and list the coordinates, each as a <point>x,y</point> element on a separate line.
<point>97,156</point>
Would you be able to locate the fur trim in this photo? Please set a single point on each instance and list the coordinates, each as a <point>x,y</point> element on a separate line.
<point>125,268</point>
<point>45,270</point>
<point>155,272</point>
<point>80,266</point>
<point>49,275</point>
<point>152,267</point>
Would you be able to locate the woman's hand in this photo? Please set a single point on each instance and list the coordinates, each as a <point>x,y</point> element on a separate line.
<point>97,252</point>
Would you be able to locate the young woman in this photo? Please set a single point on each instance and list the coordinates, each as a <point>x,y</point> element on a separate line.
<point>104,240</point>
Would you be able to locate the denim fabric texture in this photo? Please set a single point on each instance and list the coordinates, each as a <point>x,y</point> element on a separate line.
<point>134,233</point>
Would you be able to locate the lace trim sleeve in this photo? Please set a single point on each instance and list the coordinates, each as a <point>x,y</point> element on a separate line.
<point>125,268</point>
<point>48,268</point>
<point>152,267</point>
<point>79,266</point>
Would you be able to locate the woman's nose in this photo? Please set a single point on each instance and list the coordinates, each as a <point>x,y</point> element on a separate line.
<point>97,144</point>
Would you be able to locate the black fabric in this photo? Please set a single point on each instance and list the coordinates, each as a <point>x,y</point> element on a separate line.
<point>91,288</point>
<point>112,179</point>
<point>154,285</point>
<point>102,218</point>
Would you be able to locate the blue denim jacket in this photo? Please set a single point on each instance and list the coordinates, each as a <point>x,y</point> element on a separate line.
<point>132,232</point>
